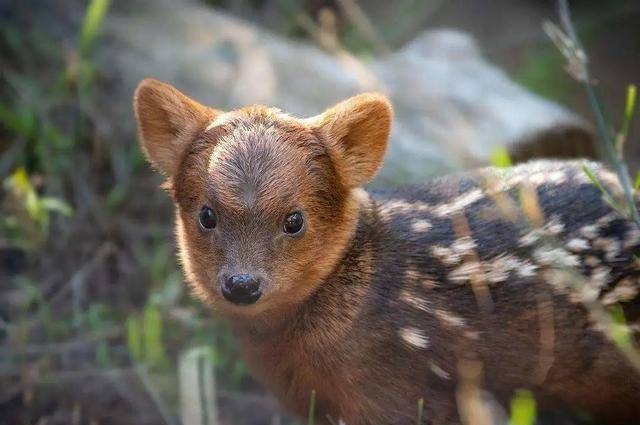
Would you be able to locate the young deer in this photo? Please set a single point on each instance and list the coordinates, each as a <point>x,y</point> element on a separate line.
<point>458,291</point>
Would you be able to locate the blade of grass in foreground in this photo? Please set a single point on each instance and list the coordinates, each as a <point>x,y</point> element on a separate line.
<point>312,408</point>
<point>523,408</point>
<point>629,108</point>
<point>420,410</point>
<point>93,18</point>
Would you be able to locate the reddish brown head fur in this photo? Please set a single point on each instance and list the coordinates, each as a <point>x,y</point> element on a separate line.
<point>253,167</point>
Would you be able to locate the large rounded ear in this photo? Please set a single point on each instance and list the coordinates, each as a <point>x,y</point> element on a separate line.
<point>359,129</point>
<point>167,121</point>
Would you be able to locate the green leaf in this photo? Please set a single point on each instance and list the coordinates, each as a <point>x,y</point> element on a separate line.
<point>523,408</point>
<point>102,354</point>
<point>116,196</point>
<point>420,411</point>
<point>134,338</point>
<point>619,330</point>
<point>19,180</point>
<point>93,19</point>
<point>312,408</point>
<point>628,110</point>
<point>500,158</point>
<point>34,295</point>
<point>20,183</point>
<point>636,185</point>
<point>152,336</point>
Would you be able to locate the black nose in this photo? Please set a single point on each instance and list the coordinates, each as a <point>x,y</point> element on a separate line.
<point>241,289</point>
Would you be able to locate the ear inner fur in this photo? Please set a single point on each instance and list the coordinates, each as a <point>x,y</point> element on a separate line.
<point>359,129</point>
<point>167,121</point>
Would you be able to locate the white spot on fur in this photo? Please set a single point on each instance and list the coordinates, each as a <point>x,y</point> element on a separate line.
<point>599,276</point>
<point>552,228</point>
<point>607,218</point>
<point>460,203</point>
<point>438,371</point>
<point>411,274</point>
<point>556,257</point>
<point>526,269</point>
<point>446,255</point>
<point>500,268</point>
<point>589,290</point>
<point>421,226</point>
<point>464,245</point>
<point>450,319</point>
<point>414,337</point>
<point>465,271</point>
<point>399,206</point>
<point>610,179</point>
<point>415,301</point>
<point>610,247</point>
<point>589,231</point>
<point>577,245</point>
<point>631,238</point>
<point>530,237</point>
<point>625,290</point>
<point>496,270</point>
<point>471,334</point>
<point>585,294</point>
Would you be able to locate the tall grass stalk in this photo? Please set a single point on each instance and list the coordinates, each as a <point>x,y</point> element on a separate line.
<point>566,40</point>
<point>312,408</point>
<point>420,410</point>
<point>92,22</point>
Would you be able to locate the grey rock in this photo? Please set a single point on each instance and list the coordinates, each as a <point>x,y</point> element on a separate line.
<point>453,108</point>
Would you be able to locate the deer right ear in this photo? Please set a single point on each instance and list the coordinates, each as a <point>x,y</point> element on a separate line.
<point>359,128</point>
<point>167,120</point>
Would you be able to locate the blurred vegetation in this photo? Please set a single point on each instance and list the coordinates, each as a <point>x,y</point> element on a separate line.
<point>73,241</point>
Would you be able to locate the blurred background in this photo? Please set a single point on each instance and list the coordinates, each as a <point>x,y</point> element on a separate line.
<point>96,326</point>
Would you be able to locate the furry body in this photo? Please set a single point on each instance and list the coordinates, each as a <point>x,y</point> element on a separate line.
<point>463,289</point>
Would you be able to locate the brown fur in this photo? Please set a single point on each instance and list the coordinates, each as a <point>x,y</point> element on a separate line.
<point>377,304</point>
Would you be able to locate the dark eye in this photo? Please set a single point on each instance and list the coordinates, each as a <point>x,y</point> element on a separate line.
<point>207,218</point>
<point>293,223</point>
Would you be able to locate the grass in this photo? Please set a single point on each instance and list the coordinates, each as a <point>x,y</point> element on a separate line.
<point>567,42</point>
<point>523,409</point>
<point>100,284</point>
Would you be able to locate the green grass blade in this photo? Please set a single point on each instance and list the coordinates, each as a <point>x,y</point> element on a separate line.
<point>620,332</point>
<point>152,336</point>
<point>500,158</point>
<point>134,338</point>
<point>56,205</point>
<point>523,408</point>
<point>605,192</point>
<point>629,109</point>
<point>312,408</point>
<point>420,410</point>
<point>93,19</point>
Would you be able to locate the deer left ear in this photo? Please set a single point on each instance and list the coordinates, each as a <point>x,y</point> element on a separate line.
<point>166,120</point>
<point>359,129</point>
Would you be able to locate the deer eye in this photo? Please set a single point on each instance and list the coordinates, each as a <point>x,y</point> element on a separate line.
<point>207,218</point>
<point>293,223</point>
